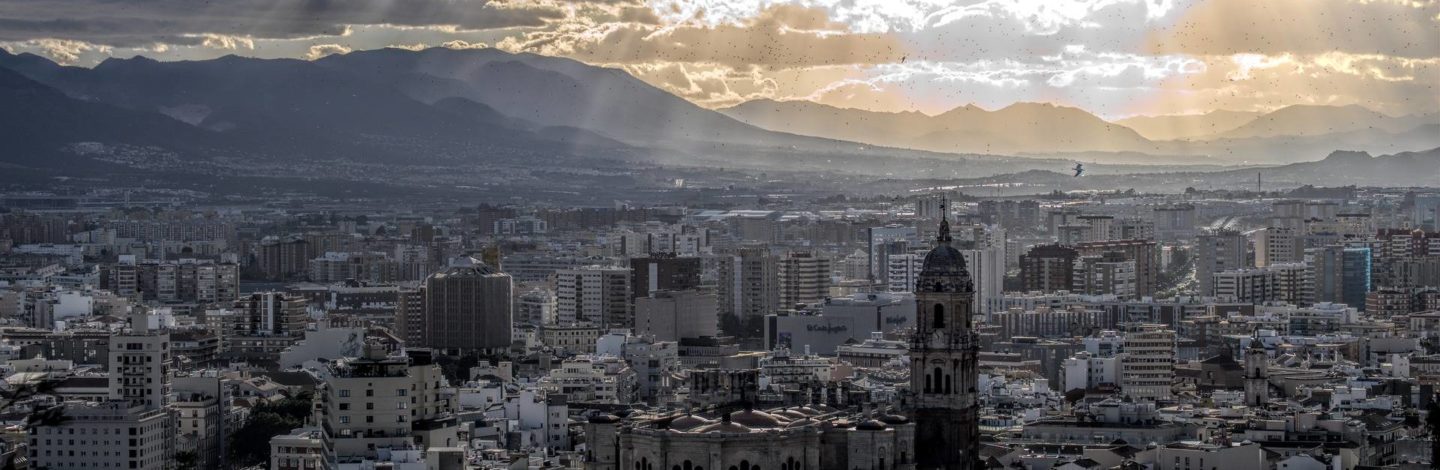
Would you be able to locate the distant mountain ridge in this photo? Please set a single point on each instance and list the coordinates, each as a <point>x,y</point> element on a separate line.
<point>1018,128</point>
<point>1059,131</point>
<point>1187,126</point>
<point>454,107</point>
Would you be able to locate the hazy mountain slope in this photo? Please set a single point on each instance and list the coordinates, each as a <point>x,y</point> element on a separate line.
<point>43,126</point>
<point>1019,128</point>
<point>1308,120</point>
<point>1187,126</point>
<point>295,109</point>
<point>555,92</point>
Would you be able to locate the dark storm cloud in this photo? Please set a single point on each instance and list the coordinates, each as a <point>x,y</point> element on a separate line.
<point>138,23</point>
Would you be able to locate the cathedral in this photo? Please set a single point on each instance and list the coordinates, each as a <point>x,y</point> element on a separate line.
<point>943,362</point>
<point>935,425</point>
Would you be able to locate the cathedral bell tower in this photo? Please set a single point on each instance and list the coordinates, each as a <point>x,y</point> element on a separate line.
<point>1257,375</point>
<point>943,358</point>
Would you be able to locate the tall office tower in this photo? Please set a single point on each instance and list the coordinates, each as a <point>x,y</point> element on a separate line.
<point>987,269</point>
<point>377,401</point>
<point>468,308</point>
<point>1174,222</point>
<point>944,353</point>
<point>746,282</point>
<point>1132,228</point>
<point>1294,283</point>
<point>663,272</point>
<point>804,278</point>
<point>1059,218</point>
<point>1144,253</point>
<point>1257,374</point>
<point>140,366</point>
<point>1048,268</point>
<point>903,271</point>
<point>1342,274</point>
<point>1107,274</point>
<point>263,324</point>
<point>1278,245</point>
<point>1148,369</point>
<point>279,259</point>
<point>888,240</point>
<point>671,315</point>
<point>410,315</point>
<point>268,314</point>
<point>1097,227</point>
<point>594,294</point>
<point>1216,251</point>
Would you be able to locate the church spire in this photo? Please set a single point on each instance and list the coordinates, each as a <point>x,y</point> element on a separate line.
<point>944,236</point>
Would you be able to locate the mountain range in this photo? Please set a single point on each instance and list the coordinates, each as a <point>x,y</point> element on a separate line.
<point>1285,135</point>
<point>442,108</point>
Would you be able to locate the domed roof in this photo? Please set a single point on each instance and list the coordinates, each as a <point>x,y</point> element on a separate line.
<point>604,418</point>
<point>894,419</point>
<point>944,269</point>
<point>800,423</point>
<point>688,422</point>
<point>790,414</point>
<point>756,419</point>
<point>870,425</point>
<point>723,427</point>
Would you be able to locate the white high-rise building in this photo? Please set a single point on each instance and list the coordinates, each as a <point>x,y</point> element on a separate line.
<point>1148,368</point>
<point>594,294</point>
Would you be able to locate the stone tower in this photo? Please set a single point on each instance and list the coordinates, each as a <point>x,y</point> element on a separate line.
<point>1257,373</point>
<point>943,357</point>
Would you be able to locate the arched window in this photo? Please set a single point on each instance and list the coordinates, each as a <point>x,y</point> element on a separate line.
<point>688,466</point>
<point>929,387</point>
<point>949,384</point>
<point>939,387</point>
<point>937,319</point>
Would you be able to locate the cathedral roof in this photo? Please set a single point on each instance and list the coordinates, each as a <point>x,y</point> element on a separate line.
<point>944,268</point>
<point>688,422</point>
<point>756,419</point>
<point>870,425</point>
<point>723,427</point>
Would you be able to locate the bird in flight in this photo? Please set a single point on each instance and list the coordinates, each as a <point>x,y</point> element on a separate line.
<point>1079,169</point>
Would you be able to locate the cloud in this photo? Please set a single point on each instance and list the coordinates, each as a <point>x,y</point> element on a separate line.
<point>463,44</point>
<point>777,36</point>
<point>321,50</point>
<point>133,23</point>
<point>221,41</point>
<point>62,51</point>
<point>1272,27</point>
<point>710,85</point>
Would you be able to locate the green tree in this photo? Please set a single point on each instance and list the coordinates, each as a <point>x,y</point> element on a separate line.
<point>186,460</point>
<point>250,445</point>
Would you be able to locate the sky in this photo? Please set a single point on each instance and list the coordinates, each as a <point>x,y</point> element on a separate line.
<point>1114,58</point>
